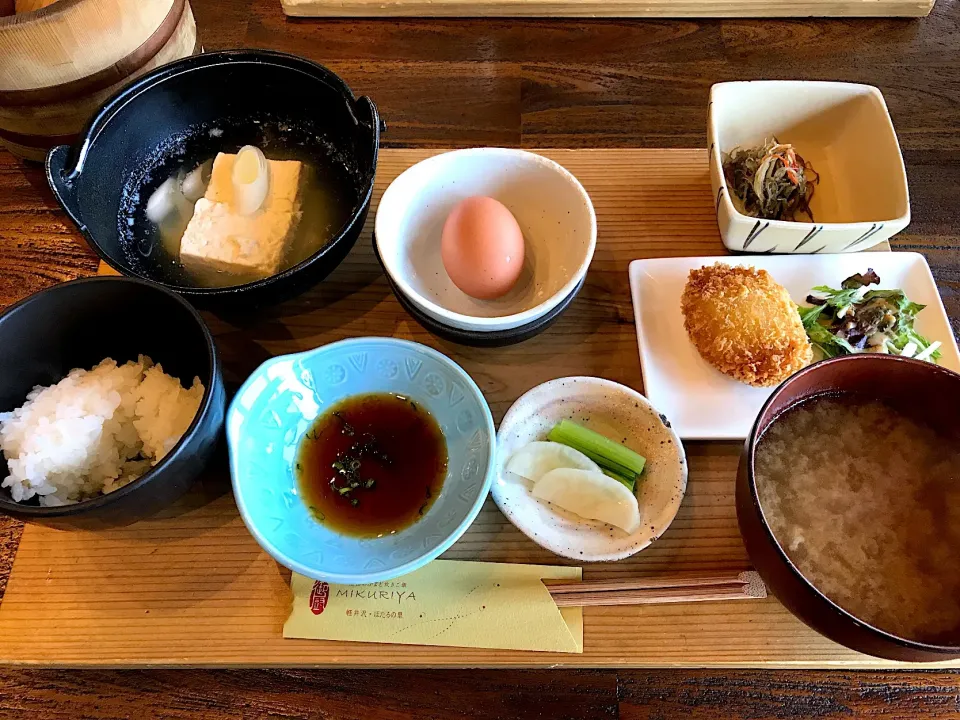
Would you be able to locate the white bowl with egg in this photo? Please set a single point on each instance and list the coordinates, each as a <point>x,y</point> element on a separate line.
<point>844,131</point>
<point>554,213</point>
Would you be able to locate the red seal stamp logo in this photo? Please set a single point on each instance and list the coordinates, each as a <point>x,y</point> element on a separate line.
<point>319,596</point>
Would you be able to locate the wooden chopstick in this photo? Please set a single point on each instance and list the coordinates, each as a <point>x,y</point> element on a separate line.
<point>671,581</point>
<point>649,591</point>
<point>655,596</point>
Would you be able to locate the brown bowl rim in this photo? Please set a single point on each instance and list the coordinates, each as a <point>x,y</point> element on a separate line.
<point>751,483</point>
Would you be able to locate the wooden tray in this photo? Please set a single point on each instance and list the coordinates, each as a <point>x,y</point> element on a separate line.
<point>192,588</point>
<point>608,8</point>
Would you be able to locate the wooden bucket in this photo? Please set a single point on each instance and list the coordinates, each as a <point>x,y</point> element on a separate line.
<point>58,64</point>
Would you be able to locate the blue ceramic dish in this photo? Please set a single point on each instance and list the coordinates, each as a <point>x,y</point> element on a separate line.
<point>277,405</point>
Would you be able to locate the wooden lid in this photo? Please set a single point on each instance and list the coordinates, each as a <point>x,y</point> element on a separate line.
<point>61,51</point>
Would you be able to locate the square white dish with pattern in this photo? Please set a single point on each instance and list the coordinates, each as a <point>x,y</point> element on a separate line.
<point>844,130</point>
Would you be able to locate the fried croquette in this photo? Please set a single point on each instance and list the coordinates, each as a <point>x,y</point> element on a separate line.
<point>744,324</point>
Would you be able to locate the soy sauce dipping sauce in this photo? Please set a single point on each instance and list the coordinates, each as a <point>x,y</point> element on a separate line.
<point>372,465</point>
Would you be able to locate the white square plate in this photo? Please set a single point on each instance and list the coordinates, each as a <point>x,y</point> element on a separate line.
<point>704,404</point>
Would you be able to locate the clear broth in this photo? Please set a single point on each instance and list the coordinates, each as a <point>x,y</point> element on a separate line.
<point>330,194</point>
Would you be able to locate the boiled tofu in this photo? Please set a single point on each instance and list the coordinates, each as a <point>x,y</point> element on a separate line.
<point>219,239</point>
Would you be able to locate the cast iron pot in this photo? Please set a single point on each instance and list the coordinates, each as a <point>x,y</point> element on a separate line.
<point>187,111</point>
<point>900,382</point>
<point>78,324</point>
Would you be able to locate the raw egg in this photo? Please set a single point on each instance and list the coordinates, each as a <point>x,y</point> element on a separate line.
<point>482,247</point>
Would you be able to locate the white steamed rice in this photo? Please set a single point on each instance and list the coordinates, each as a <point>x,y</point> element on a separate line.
<point>94,431</point>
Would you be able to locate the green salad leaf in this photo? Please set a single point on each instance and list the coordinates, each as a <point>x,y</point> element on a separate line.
<point>854,319</point>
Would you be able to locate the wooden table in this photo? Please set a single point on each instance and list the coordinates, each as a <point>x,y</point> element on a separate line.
<point>537,84</point>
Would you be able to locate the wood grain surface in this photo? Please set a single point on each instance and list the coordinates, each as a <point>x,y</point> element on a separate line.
<point>536,84</point>
<point>607,8</point>
<point>191,587</point>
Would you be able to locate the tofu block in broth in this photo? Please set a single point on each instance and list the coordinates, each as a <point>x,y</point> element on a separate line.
<point>219,239</point>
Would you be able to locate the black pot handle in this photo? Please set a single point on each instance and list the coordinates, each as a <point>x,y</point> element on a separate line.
<point>366,107</point>
<point>64,183</point>
<point>365,111</point>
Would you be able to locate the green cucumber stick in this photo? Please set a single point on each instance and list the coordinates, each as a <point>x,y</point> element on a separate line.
<point>603,451</point>
<point>628,482</point>
<point>600,460</point>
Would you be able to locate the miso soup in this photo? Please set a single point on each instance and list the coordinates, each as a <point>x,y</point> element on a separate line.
<point>866,503</point>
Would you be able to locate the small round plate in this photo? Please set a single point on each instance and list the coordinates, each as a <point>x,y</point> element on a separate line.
<point>617,412</point>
